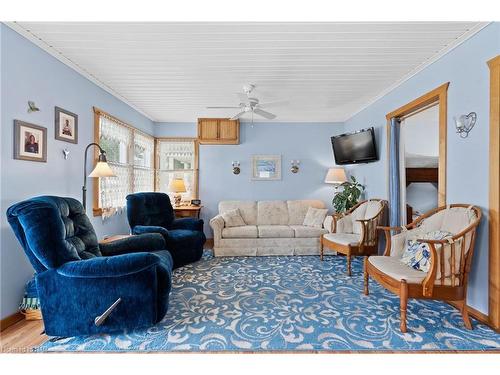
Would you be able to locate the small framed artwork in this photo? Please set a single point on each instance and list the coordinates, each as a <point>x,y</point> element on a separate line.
<point>266,167</point>
<point>66,126</point>
<point>30,142</point>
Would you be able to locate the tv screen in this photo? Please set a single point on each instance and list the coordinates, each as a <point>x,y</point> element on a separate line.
<point>352,148</point>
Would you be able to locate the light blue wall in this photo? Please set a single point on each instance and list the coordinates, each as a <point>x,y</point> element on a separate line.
<point>467,159</point>
<point>29,73</point>
<point>307,142</point>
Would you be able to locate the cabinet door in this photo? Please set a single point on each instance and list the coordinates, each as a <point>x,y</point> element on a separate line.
<point>228,130</point>
<point>208,129</point>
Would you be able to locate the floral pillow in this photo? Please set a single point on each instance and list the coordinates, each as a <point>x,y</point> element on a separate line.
<point>417,254</point>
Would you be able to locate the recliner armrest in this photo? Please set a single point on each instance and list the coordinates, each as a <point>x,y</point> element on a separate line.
<point>188,223</point>
<point>116,266</point>
<point>140,229</point>
<point>140,243</point>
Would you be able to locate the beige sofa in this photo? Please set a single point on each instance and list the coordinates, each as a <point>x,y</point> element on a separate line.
<point>273,228</point>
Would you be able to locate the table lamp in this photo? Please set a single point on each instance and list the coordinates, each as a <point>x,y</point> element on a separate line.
<point>177,186</point>
<point>335,176</point>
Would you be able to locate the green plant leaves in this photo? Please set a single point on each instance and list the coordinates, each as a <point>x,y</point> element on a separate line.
<point>349,196</point>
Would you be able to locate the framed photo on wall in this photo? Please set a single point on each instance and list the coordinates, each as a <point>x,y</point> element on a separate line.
<point>30,142</point>
<point>66,126</point>
<point>266,167</point>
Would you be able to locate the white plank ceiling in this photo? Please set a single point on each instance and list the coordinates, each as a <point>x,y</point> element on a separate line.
<point>172,71</point>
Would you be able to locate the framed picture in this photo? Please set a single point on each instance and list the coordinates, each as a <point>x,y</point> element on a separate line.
<point>66,126</point>
<point>30,142</point>
<point>266,167</point>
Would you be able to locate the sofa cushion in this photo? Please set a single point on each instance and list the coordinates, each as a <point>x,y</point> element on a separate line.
<point>297,210</point>
<point>301,231</point>
<point>315,217</point>
<point>272,213</point>
<point>275,231</point>
<point>394,268</point>
<point>343,238</point>
<point>247,231</point>
<point>232,218</point>
<point>248,210</point>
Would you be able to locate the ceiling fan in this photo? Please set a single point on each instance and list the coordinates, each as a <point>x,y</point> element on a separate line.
<point>251,104</point>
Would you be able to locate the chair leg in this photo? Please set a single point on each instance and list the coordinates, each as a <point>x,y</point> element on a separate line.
<point>403,302</point>
<point>465,315</point>
<point>366,277</point>
<point>348,264</point>
<point>321,249</point>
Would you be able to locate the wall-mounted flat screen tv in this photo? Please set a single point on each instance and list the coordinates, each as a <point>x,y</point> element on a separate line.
<point>353,148</point>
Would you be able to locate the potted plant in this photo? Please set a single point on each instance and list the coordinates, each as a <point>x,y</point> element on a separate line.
<point>349,196</point>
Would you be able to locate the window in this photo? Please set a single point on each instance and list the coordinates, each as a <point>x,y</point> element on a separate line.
<point>177,158</point>
<point>130,155</point>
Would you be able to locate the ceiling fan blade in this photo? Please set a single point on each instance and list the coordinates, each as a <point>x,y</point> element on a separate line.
<point>223,107</point>
<point>276,103</point>
<point>237,116</point>
<point>264,114</point>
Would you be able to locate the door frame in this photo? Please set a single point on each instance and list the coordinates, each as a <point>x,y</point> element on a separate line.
<point>494,197</point>
<point>440,96</point>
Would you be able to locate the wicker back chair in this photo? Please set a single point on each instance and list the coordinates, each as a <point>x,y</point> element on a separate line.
<point>449,264</point>
<point>355,231</point>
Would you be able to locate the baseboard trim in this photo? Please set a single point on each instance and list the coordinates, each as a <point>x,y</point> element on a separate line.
<point>476,314</point>
<point>209,244</point>
<point>10,320</point>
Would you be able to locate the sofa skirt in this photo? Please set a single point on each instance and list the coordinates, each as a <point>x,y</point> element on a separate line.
<point>266,247</point>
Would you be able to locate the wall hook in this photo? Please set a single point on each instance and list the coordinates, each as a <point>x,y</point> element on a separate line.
<point>32,107</point>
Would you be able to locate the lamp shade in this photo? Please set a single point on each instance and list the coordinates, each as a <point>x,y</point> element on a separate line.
<point>102,169</point>
<point>177,185</point>
<point>335,176</point>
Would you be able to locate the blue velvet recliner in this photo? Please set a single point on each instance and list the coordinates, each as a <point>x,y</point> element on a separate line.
<point>153,213</point>
<point>78,279</point>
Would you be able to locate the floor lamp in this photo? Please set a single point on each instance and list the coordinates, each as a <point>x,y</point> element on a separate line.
<point>101,169</point>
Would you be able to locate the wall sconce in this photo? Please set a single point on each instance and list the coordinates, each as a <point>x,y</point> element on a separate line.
<point>236,167</point>
<point>294,166</point>
<point>465,123</point>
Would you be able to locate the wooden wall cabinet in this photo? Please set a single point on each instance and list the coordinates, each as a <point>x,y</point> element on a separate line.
<point>218,131</point>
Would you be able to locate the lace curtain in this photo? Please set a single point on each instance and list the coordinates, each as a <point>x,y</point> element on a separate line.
<point>130,155</point>
<point>177,160</point>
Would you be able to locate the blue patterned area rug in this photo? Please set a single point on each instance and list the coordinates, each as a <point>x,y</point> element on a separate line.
<point>287,304</point>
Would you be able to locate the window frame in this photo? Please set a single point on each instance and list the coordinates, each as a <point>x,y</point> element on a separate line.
<point>196,161</point>
<point>96,210</point>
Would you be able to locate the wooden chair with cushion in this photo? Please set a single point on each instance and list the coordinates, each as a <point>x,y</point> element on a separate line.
<point>446,261</point>
<point>355,232</point>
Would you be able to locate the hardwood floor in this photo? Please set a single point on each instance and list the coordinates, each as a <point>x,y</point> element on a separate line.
<point>22,337</point>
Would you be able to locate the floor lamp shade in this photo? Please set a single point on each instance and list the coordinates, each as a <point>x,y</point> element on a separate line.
<point>102,169</point>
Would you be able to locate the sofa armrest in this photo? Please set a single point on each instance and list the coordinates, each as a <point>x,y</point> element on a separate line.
<point>217,224</point>
<point>103,267</point>
<point>188,223</point>
<point>141,229</point>
<point>134,244</point>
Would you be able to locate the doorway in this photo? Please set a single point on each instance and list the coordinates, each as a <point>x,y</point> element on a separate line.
<point>435,104</point>
<point>419,162</point>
